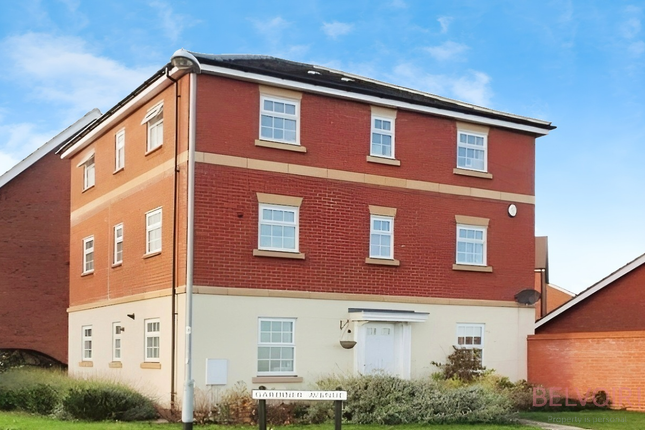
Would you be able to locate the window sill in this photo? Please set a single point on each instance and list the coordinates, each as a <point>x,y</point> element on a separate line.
<point>88,188</point>
<point>115,265</point>
<point>153,150</point>
<point>278,254</point>
<point>121,169</point>
<point>152,254</point>
<point>279,145</point>
<point>473,173</point>
<point>150,365</point>
<point>87,273</point>
<point>383,160</point>
<point>470,268</point>
<point>382,262</point>
<point>86,364</point>
<point>276,379</point>
<point>115,365</point>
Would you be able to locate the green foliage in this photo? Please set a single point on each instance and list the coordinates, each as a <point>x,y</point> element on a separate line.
<point>108,402</point>
<point>463,365</point>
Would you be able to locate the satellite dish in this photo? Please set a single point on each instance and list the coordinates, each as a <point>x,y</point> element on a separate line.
<point>527,297</point>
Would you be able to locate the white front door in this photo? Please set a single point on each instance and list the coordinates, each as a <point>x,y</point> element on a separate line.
<point>379,348</point>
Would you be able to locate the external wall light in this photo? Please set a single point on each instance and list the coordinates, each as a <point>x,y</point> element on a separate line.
<point>184,60</point>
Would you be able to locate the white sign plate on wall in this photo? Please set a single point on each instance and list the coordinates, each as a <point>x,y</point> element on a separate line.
<point>216,371</point>
<point>298,395</point>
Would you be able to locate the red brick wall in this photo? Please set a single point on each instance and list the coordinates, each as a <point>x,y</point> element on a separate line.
<point>617,307</point>
<point>582,362</point>
<point>34,232</point>
<point>336,134</point>
<point>334,235</point>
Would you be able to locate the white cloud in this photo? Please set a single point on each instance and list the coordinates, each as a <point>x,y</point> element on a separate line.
<point>336,29</point>
<point>637,48</point>
<point>630,28</point>
<point>444,21</point>
<point>447,51</point>
<point>474,87</point>
<point>399,4</point>
<point>271,27</point>
<point>171,22</point>
<point>21,140</point>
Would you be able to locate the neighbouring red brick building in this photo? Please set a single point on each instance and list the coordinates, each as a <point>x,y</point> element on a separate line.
<point>596,341</point>
<point>34,256</point>
<point>334,224</point>
<point>551,296</point>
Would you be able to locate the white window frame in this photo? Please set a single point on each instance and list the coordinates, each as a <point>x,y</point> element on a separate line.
<point>152,227</point>
<point>390,219</point>
<point>119,151</point>
<point>473,346</point>
<point>86,253</point>
<point>118,240</point>
<point>86,351</point>
<point>467,146</point>
<point>152,335</point>
<point>117,344</point>
<point>89,174</point>
<point>281,344</point>
<point>154,121</point>
<point>382,132</point>
<point>483,242</point>
<point>295,117</point>
<point>296,224</point>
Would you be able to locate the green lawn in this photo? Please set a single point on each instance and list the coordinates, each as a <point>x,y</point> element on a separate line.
<point>600,419</point>
<point>20,421</point>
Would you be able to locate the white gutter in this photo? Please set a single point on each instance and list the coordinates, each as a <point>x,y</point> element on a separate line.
<point>49,146</point>
<point>285,83</point>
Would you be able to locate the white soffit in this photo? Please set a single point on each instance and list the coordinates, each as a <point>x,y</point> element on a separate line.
<point>49,146</point>
<point>386,315</point>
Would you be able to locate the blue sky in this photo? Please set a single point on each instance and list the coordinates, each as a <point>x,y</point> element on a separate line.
<point>579,64</point>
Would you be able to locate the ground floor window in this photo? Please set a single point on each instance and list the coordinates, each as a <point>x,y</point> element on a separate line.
<point>471,336</point>
<point>276,346</point>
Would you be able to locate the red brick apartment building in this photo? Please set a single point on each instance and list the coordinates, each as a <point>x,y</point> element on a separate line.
<point>34,256</point>
<point>325,207</point>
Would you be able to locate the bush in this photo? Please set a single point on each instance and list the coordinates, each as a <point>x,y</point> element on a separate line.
<point>105,402</point>
<point>38,399</point>
<point>463,365</point>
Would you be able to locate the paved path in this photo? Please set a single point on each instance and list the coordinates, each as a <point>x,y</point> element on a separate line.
<point>548,426</point>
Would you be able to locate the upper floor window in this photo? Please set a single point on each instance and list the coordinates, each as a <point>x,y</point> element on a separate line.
<point>153,231</point>
<point>118,243</point>
<point>471,336</point>
<point>279,119</point>
<point>153,334</point>
<point>89,174</point>
<point>471,245</point>
<point>278,228</point>
<point>154,121</point>
<point>87,342</point>
<point>88,254</point>
<point>381,237</point>
<point>382,137</point>
<point>276,346</point>
<point>472,150</point>
<point>119,151</point>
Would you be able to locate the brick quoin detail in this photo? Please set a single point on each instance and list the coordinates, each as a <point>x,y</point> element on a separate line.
<point>34,227</point>
<point>579,362</point>
<point>334,235</point>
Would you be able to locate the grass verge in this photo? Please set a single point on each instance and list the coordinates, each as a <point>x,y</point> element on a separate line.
<point>591,419</point>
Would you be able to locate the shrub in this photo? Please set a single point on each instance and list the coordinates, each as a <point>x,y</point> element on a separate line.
<point>237,406</point>
<point>38,399</point>
<point>107,402</point>
<point>463,365</point>
<point>8,399</point>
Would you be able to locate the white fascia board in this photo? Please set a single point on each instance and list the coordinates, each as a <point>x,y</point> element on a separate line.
<point>284,83</point>
<point>592,290</point>
<point>143,97</point>
<point>563,290</point>
<point>49,146</point>
<point>385,316</point>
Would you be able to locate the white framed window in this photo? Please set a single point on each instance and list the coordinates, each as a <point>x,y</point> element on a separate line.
<point>381,237</point>
<point>117,329</point>
<point>276,346</point>
<point>382,143</point>
<point>86,332</point>
<point>153,333</point>
<point>471,245</point>
<point>154,122</point>
<point>279,120</point>
<point>278,228</point>
<point>153,231</point>
<point>118,243</point>
<point>88,254</point>
<point>472,150</point>
<point>119,151</point>
<point>89,174</point>
<point>471,336</point>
